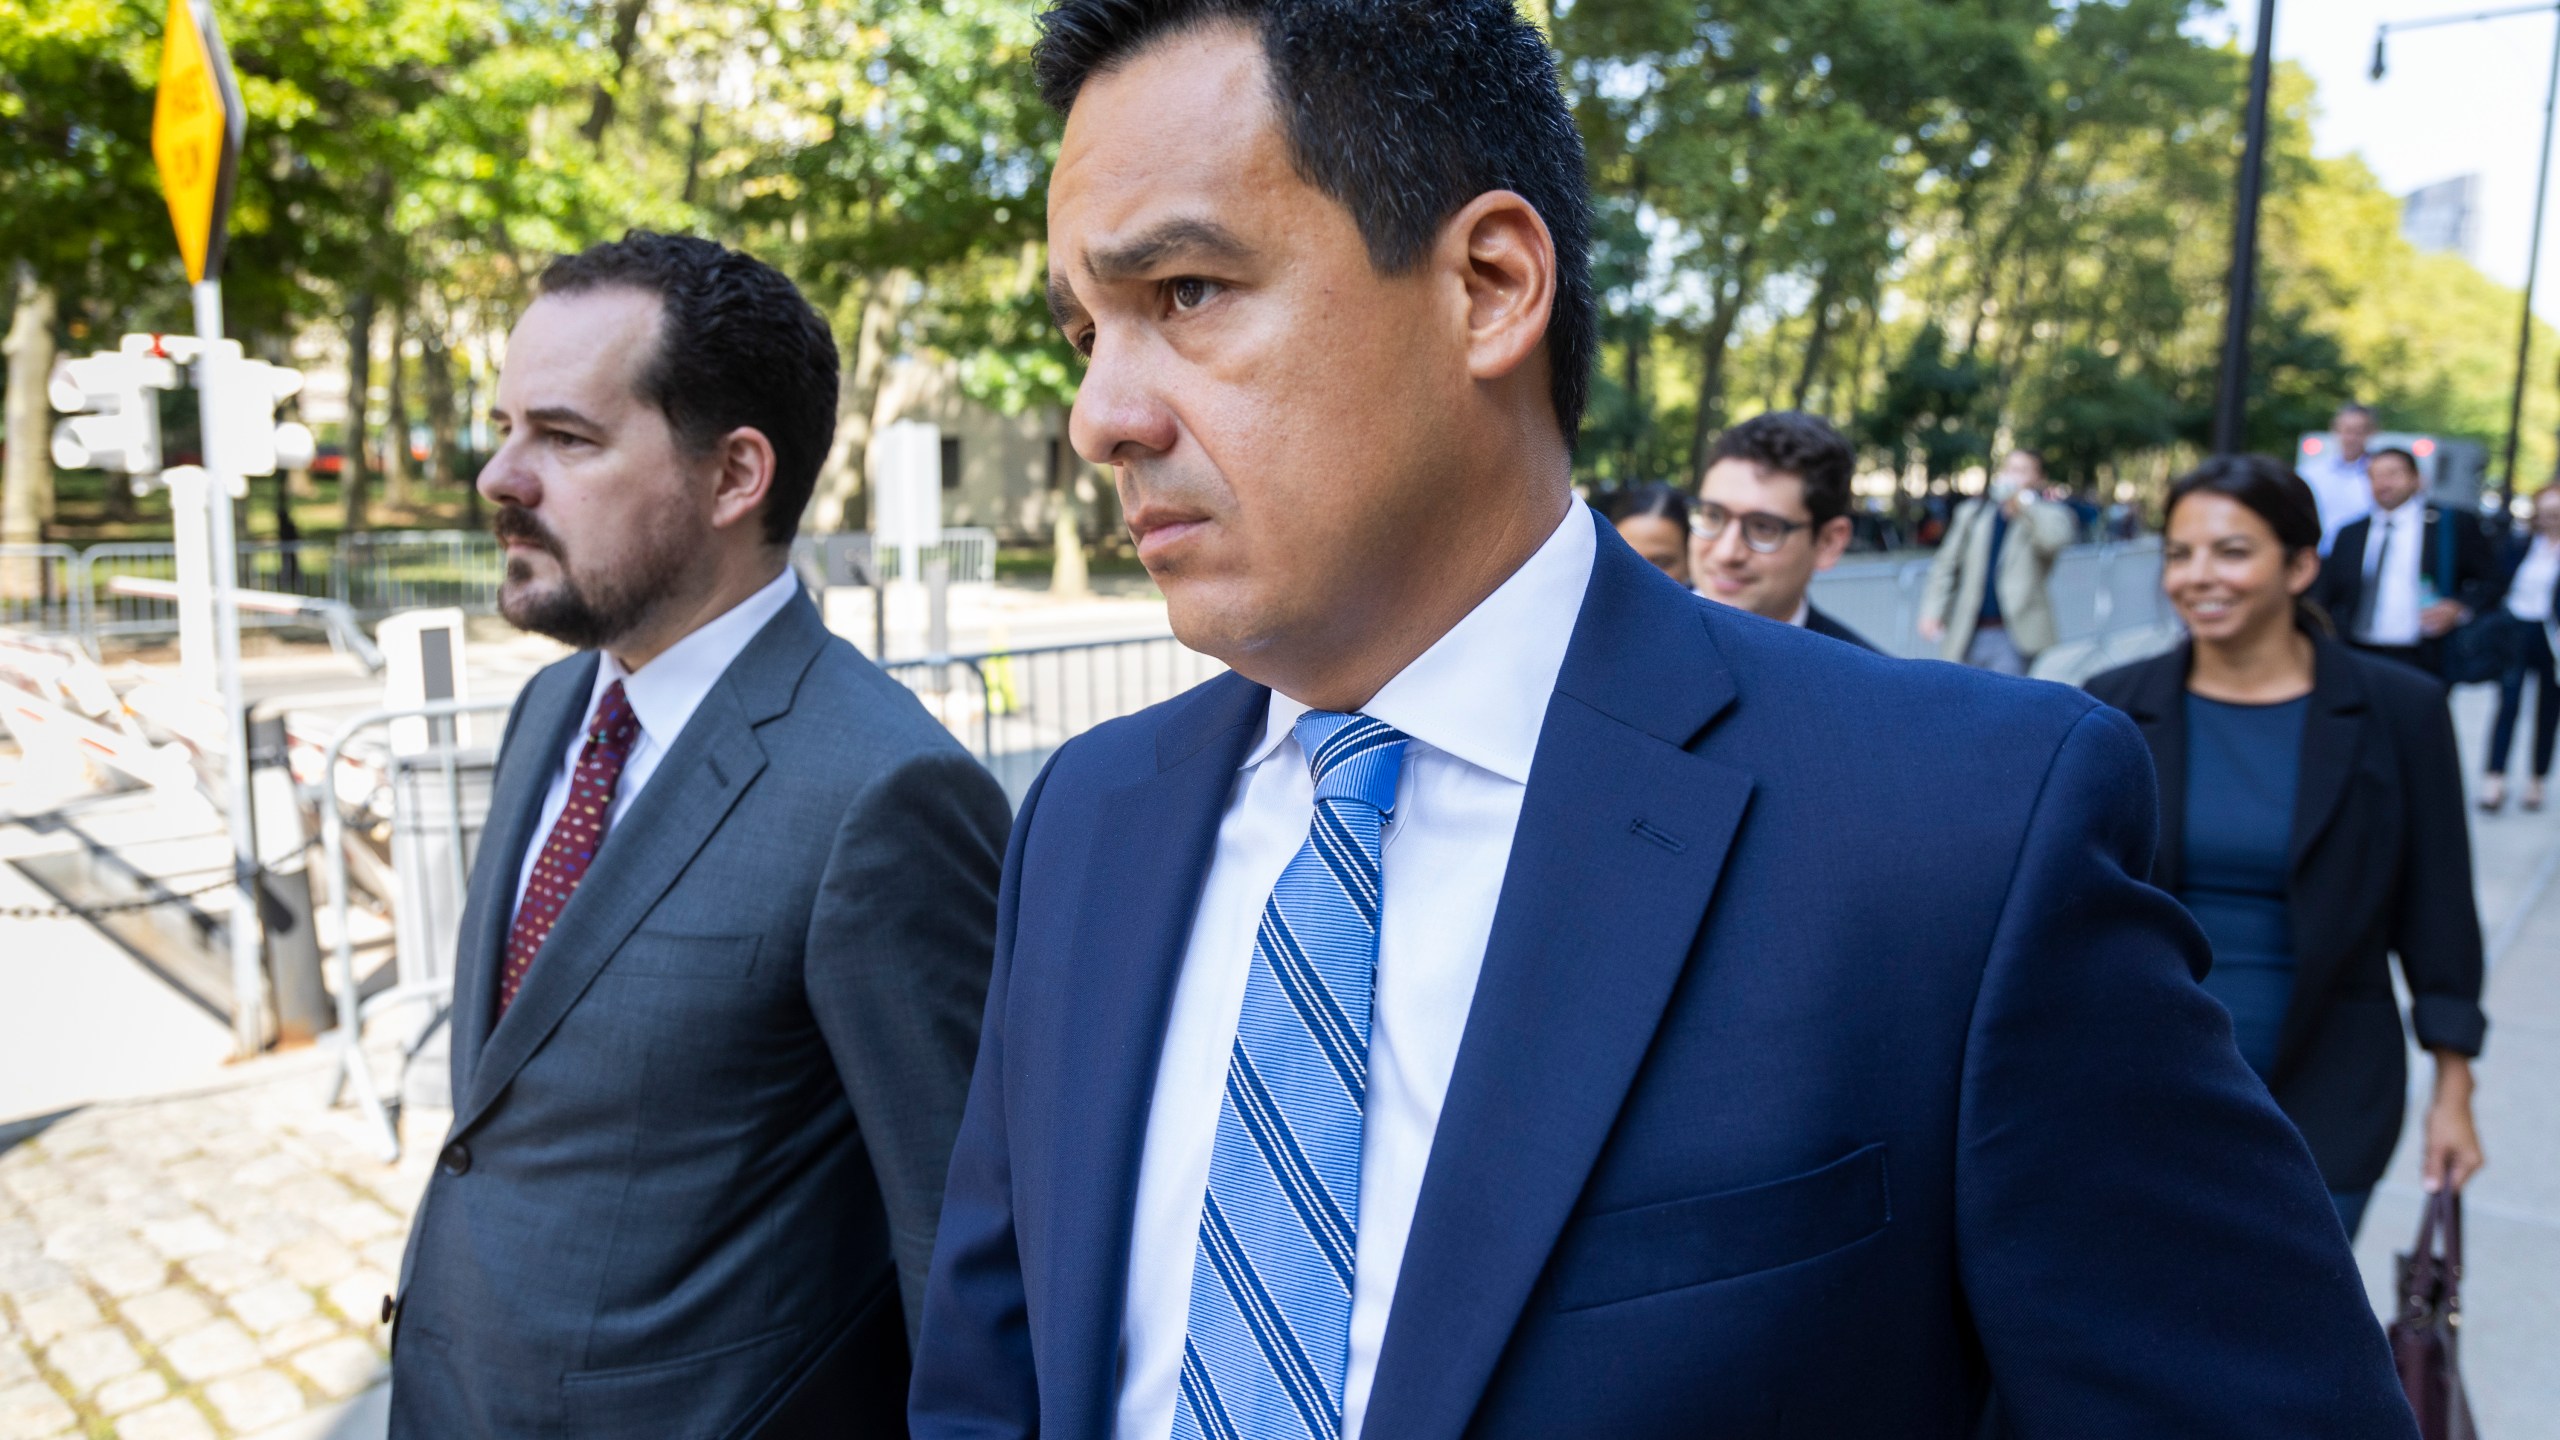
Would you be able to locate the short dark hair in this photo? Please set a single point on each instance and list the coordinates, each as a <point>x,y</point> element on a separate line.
<point>739,347</point>
<point>1795,443</point>
<point>2274,493</point>
<point>2403,456</point>
<point>2353,408</point>
<point>1402,110</point>
<point>1651,499</point>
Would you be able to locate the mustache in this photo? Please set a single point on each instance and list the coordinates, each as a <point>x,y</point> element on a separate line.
<point>515,523</point>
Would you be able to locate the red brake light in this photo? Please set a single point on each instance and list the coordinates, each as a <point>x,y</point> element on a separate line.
<point>2312,445</point>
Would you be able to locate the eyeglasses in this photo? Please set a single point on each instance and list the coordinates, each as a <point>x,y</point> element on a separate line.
<point>1763,532</point>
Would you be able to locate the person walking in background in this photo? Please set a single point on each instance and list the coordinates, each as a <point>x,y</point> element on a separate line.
<point>1654,521</point>
<point>1987,603</point>
<point>725,946</point>
<point>2404,577</point>
<point>2530,576</point>
<point>2338,474</point>
<point>2311,819</point>
<point>1773,511</point>
<point>1364,1056</point>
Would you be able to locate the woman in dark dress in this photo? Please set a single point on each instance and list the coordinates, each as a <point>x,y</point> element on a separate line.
<point>2311,817</point>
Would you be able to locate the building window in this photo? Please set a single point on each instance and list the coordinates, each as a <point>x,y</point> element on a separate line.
<point>950,462</point>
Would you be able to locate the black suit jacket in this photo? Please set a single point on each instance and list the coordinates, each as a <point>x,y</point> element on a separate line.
<point>2472,576</point>
<point>696,1166</point>
<point>2380,863</point>
<point>1822,624</point>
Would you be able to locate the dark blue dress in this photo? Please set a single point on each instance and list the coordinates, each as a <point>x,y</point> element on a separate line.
<point>2244,763</point>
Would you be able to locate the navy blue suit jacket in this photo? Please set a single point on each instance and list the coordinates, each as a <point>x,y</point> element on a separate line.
<point>1830,1067</point>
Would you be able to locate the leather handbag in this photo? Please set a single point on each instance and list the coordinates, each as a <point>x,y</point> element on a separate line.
<point>2426,1333</point>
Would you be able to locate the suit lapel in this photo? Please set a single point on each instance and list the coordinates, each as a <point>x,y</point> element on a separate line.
<point>2159,706</point>
<point>1152,847</point>
<point>1621,837</point>
<point>553,712</point>
<point>696,783</point>
<point>2332,733</point>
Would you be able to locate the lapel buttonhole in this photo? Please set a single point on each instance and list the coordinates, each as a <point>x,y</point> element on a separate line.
<point>1659,836</point>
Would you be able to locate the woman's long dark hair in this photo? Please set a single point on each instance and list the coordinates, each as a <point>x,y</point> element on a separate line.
<point>2274,494</point>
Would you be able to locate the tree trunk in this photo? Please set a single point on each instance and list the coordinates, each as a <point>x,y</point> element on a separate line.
<point>396,490</point>
<point>28,484</point>
<point>626,38</point>
<point>1719,338</point>
<point>693,152</point>
<point>1068,577</point>
<point>1639,415</point>
<point>435,388</point>
<point>839,500</point>
<point>355,472</point>
<point>1825,306</point>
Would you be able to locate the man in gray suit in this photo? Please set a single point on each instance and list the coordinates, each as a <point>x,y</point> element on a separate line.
<point>728,932</point>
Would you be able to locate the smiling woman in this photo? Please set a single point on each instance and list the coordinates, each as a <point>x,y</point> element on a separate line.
<point>2311,820</point>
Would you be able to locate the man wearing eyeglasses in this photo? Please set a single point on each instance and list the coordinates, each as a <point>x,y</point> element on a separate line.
<point>1773,509</point>
<point>1987,604</point>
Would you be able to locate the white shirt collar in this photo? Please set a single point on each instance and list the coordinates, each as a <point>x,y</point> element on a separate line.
<point>665,692</point>
<point>2414,505</point>
<point>1804,612</point>
<point>1480,692</point>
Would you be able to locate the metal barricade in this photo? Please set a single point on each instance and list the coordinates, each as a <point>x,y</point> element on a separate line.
<point>1013,709</point>
<point>421,569</point>
<point>971,553</point>
<point>438,799</point>
<point>1879,598</point>
<point>40,589</point>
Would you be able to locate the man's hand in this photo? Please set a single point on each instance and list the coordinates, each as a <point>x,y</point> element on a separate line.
<point>1932,628</point>
<point>2443,617</point>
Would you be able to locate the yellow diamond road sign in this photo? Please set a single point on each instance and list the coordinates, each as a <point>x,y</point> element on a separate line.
<point>195,134</point>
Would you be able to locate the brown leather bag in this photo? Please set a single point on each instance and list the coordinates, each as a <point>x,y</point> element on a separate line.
<point>2425,1335</point>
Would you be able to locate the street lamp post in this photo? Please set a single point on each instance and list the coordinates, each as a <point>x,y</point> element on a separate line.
<point>2240,300</point>
<point>2541,189</point>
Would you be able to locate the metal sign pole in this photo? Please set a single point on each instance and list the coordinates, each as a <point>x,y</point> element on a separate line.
<point>248,968</point>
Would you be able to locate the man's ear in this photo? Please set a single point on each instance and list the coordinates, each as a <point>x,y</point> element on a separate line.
<point>743,478</point>
<point>1831,541</point>
<point>1505,262</point>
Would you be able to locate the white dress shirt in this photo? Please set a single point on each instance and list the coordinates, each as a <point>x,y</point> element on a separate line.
<point>2344,492</point>
<point>1472,705</point>
<point>2395,577</point>
<point>664,694</point>
<point>2529,594</point>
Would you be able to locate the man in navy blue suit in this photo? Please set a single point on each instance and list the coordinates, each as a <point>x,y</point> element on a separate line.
<point>1525,999</point>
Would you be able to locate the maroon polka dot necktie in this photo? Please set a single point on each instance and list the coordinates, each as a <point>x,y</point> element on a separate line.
<point>575,837</point>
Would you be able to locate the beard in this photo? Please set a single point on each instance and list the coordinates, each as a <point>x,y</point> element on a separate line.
<point>584,611</point>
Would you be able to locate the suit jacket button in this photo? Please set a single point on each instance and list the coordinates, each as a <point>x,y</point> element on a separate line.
<point>390,1307</point>
<point>457,1158</point>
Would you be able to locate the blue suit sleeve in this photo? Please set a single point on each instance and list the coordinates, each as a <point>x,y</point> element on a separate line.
<point>973,1376</point>
<point>2144,1242</point>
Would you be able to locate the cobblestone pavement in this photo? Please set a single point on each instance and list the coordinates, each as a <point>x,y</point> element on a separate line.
<point>198,1266</point>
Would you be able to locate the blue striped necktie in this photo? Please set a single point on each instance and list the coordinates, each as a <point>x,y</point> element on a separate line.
<point>1270,1320</point>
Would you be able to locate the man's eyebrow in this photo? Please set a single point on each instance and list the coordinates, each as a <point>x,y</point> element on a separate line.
<point>1143,253</point>
<point>1170,240</point>
<point>562,415</point>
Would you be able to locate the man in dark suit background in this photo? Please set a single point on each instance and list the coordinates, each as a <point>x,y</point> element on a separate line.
<point>726,941</point>
<point>2428,573</point>
<point>1773,511</point>
<point>1524,1000</point>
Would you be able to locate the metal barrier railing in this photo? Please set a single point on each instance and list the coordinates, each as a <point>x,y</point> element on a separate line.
<point>970,551</point>
<point>40,589</point>
<point>1014,708</point>
<point>2097,590</point>
<point>447,756</point>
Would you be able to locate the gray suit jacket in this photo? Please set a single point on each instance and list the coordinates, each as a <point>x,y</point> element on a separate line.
<point>696,1168</point>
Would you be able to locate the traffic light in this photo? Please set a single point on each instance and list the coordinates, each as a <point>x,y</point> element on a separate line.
<point>113,418</point>
<point>240,399</point>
